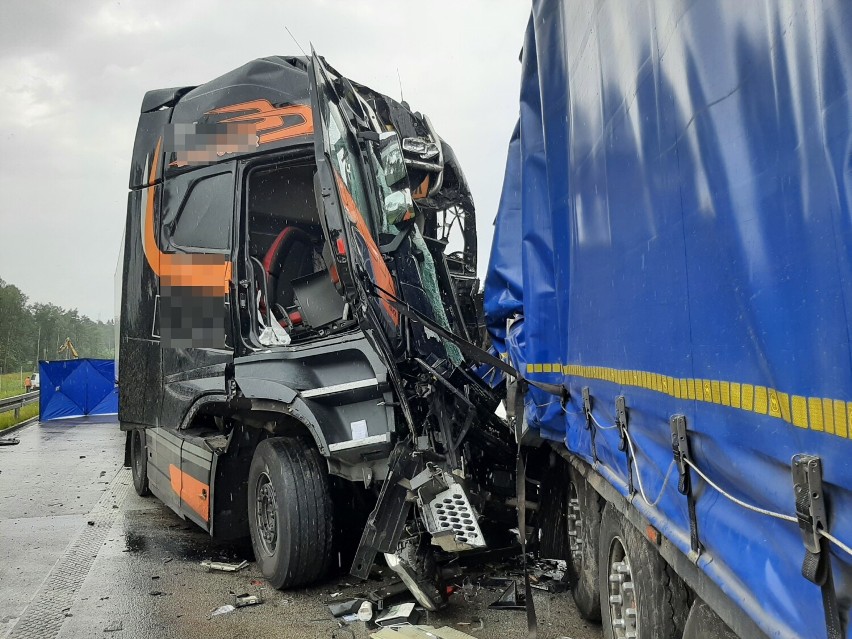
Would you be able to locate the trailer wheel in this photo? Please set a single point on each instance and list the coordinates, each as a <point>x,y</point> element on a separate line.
<point>139,462</point>
<point>641,596</point>
<point>584,507</point>
<point>290,512</point>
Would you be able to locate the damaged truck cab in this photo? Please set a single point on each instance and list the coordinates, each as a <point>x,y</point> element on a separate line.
<point>296,246</point>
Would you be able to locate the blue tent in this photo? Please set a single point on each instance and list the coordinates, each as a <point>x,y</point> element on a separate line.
<point>76,387</point>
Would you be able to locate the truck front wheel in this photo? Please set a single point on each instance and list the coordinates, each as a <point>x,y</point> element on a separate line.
<point>641,596</point>
<point>290,512</point>
<point>139,462</point>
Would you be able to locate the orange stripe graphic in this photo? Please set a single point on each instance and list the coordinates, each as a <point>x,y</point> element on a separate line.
<point>192,492</point>
<point>380,269</point>
<point>210,273</point>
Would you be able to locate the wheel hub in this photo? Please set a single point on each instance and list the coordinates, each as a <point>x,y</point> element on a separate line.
<point>622,593</point>
<point>265,509</point>
<point>575,526</point>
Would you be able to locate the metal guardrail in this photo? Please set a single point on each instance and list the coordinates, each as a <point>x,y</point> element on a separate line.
<point>17,402</point>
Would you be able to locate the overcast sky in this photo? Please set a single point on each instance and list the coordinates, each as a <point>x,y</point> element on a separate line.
<point>72,77</point>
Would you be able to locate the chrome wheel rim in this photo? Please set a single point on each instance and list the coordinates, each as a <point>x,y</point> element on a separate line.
<point>623,611</point>
<point>265,513</point>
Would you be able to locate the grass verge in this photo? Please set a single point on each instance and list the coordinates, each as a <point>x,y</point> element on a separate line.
<point>11,384</point>
<point>7,419</point>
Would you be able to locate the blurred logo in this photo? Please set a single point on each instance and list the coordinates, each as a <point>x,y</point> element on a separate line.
<point>271,123</point>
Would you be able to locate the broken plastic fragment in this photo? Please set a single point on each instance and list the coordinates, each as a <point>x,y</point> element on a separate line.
<point>245,599</point>
<point>223,610</point>
<point>224,567</point>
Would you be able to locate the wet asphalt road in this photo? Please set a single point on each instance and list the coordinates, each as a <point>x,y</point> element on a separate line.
<point>81,555</point>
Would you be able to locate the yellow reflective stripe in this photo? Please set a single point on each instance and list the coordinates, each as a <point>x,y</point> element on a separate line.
<point>815,413</point>
<point>784,401</point>
<point>840,424</point>
<point>760,399</point>
<point>748,396</point>
<point>800,412</point>
<point>827,415</point>
<point>735,395</point>
<point>774,406</point>
<point>725,389</point>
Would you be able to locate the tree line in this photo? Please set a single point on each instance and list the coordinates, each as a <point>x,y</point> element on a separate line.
<point>29,332</point>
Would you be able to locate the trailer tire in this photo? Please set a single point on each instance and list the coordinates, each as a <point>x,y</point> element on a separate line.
<point>585,505</point>
<point>290,512</point>
<point>139,462</point>
<point>655,604</point>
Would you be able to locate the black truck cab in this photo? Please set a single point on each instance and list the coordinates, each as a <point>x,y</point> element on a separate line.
<point>291,238</point>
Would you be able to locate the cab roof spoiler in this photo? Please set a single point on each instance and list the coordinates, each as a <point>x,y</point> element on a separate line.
<point>163,98</point>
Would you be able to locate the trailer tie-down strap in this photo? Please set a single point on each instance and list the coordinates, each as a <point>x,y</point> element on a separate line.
<point>812,517</point>
<point>471,350</point>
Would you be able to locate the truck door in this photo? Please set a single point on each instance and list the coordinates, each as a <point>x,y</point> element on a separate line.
<point>196,327</point>
<point>196,228</point>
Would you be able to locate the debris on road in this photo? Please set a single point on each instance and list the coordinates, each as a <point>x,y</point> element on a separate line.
<point>222,610</point>
<point>115,626</point>
<point>347,607</point>
<point>420,632</point>
<point>511,599</point>
<point>475,624</point>
<point>245,599</point>
<point>365,611</point>
<point>222,566</point>
<point>398,615</point>
<point>9,441</point>
<point>381,597</point>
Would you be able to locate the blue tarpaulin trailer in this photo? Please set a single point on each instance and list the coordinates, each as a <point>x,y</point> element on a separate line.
<point>77,387</point>
<point>675,229</point>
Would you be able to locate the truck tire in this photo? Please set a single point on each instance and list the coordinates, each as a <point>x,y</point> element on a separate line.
<point>641,596</point>
<point>584,507</point>
<point>139,462</point>
<point>290,512</point>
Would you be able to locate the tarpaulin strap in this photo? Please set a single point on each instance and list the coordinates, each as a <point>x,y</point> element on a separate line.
<point>680,448</point>
<point>590,426</point>
<point>471,350</point>
<point>521,487</point>
<point>812,517</point>
<point>817,568</point>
